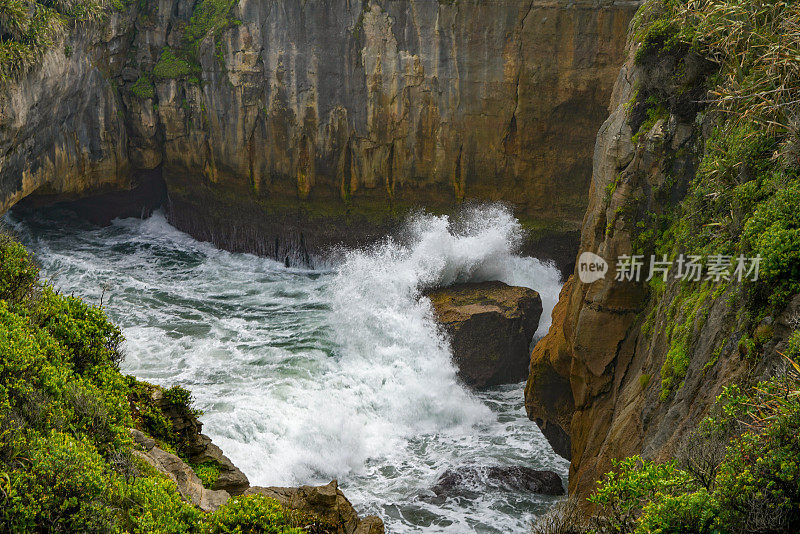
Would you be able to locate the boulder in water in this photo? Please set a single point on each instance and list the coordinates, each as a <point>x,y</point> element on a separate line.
<point>491,326</point>
<point>466,479</point>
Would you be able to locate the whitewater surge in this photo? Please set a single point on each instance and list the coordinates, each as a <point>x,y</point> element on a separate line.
<point>305,375</point>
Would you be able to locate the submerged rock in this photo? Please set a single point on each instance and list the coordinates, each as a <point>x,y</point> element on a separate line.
<point>327,503</point>
<point>513,478</point>
<point>491,326</point>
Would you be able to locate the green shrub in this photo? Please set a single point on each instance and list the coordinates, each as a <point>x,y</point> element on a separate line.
<point>207,472</point>
<point>753,485</point>
<point>696,512</point>
<point>773,232</point>
<point>250,514</point>
<point>65,487</point>
<point>634,483</point>
<point>143,88</point>
<point>89,338</point>
<point>171,66</point>
<point>156,507</point>
<point>18,274</point>
<point>179,397</point>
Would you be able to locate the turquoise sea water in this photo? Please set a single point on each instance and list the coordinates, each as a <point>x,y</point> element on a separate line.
<point>341,372</point>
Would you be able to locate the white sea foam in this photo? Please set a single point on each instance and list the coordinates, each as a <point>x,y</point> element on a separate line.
<point>306,376</point>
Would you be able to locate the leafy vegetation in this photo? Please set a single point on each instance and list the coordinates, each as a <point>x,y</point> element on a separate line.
<point>171,66</point>
<point>143,88</point>
<point>250,514</point>
<point>752,486</point>
<point>66,455</point>
<point>739,63</point>
<point>29,28</point>
<point>739,473</point>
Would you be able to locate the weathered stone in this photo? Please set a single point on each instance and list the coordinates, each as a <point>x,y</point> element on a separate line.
<point>497,478</point>
<point>490,325</point>
<point>199,447</point>
<point>188,483</point>
<point>595,382</point>
<point>327,503</point>
<point>231,478</point>
<point>318,122</point>
<point>548,395</point>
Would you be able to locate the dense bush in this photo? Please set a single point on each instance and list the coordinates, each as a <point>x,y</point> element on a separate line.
<point>753,485</point>
<point>66,457</point>
<point>250,514</point>
<point>30,28</point>
<point>740,194</point>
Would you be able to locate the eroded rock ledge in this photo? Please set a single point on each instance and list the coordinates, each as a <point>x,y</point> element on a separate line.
<point>490,325</point>
<point>326,503</point>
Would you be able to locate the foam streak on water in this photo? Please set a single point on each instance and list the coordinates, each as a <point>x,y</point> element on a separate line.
<point>305,376</point>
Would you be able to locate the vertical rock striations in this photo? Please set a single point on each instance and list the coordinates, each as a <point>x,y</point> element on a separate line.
<point>274,121</point>
<point>632,367</point>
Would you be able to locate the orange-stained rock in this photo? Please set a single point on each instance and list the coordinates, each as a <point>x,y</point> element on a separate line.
<point>306,124</point>
<point>490,326</point>
<point>548,398</point>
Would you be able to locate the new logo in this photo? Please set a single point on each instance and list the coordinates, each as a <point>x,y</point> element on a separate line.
<point>591,267</point>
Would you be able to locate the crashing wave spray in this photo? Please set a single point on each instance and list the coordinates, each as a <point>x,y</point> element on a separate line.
<point>305,376</point>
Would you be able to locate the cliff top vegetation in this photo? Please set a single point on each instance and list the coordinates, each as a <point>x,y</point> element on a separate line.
<point>732,69</point>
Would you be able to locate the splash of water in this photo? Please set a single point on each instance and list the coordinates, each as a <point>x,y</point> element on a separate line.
<point>306,376</point>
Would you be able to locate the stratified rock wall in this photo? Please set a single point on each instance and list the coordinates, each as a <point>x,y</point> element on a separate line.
<point>62,126</point>
<point>595,385</point>
<point>305,114</point>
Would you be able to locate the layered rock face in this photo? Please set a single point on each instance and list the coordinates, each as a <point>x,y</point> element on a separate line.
<point>325,119</point>
<point>490,325</point>
<point>596,385</point>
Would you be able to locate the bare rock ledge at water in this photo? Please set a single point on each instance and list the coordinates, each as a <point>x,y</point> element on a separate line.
<point>491,325</point>
<point>326,503</point>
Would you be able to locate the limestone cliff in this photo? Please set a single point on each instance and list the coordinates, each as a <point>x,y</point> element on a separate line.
<point>273,119</point>
<point>632,367</point>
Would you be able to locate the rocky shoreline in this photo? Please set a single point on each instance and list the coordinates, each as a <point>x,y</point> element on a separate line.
<point>325,503</point>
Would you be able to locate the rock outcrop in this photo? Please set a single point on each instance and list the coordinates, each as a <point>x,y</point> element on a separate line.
<point>596,385</point>
<point>198,447</point>
<point>281,126</point>
<point>189,484</point>
<point>490,326</point>
<point>327,503</point>
<point>324,504</point>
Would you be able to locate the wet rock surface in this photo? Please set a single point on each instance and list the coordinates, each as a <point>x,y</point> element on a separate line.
<point>474,479</point>
<point>327,503</point>
<point>490,325</point>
